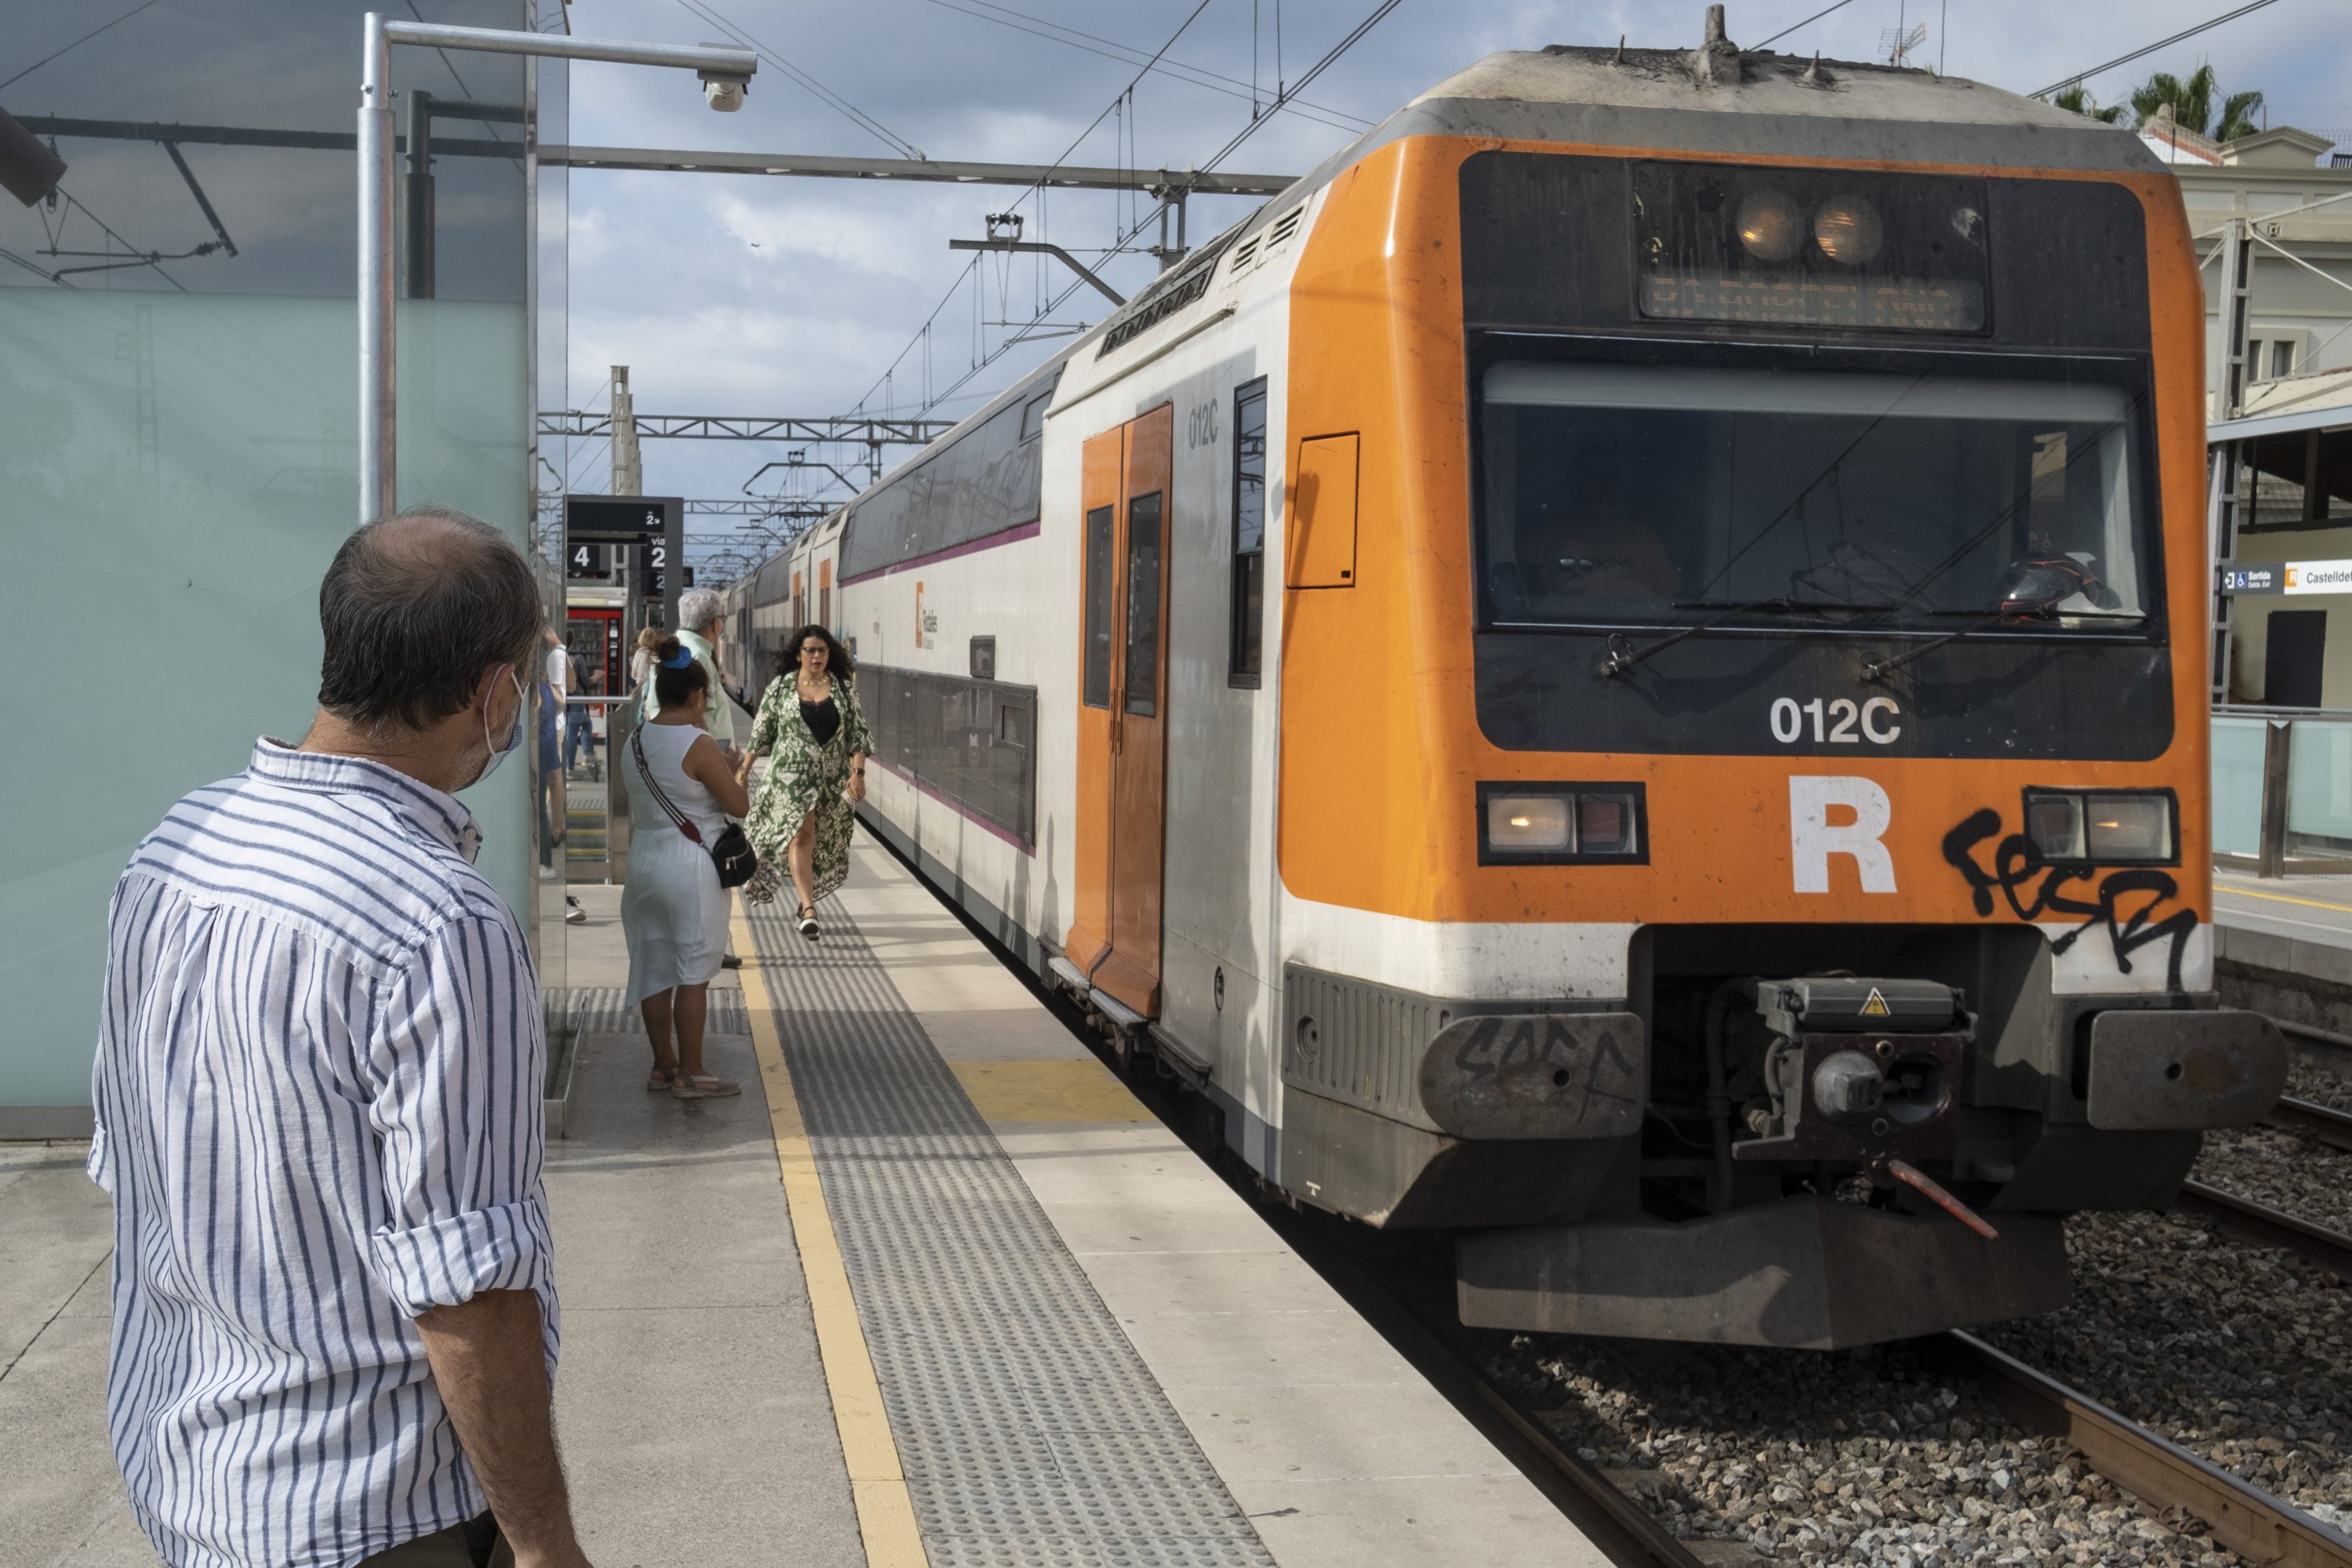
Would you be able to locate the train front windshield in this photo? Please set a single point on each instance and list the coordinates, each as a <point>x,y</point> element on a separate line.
<point>1643,495</point>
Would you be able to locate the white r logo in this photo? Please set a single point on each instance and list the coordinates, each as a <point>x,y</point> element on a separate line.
<point>1813,837</point>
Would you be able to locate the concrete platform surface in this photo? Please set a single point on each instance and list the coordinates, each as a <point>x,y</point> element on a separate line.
<point>1336,1450</point>
<point>2292,926</point>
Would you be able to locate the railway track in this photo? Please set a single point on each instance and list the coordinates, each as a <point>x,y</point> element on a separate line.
<point>2325,1123</point>
<point>2162,1475</point>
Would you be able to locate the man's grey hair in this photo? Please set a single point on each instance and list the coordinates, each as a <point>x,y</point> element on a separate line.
<point>416,607</point>
<point>698,608</point>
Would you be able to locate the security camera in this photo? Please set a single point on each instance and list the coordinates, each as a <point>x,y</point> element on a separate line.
<point>723,90</point>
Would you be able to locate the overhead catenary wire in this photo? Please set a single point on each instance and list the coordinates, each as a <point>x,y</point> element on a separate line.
<point>1808,22</point>
<point>1014,205</point>
<point>77,42</point>
<point>1291,91</point>
<point>1346,42</point>
<point>1196,76</point>
<point>2151,49</point>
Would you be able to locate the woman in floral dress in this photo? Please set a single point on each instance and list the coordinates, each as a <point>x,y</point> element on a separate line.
<point>810,724</point>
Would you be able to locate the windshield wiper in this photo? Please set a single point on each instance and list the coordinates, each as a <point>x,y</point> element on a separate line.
<point>1880,669</point>
<point>1622,658</point>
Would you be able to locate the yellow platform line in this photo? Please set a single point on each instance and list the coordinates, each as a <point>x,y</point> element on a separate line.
<point>877,1485</point>
<point>2283,898</point>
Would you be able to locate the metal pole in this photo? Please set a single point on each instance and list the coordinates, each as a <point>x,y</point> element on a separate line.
<point>377,202</point>
<point>416,240</point>
<point>377,369</point>
<point>2278,756</point>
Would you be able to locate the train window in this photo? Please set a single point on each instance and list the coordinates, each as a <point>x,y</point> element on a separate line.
<point>983,658</point>
<point>1143,604</point>
<point>1248,657</point>
<point>1646,495</point>
<point>1099,528</point>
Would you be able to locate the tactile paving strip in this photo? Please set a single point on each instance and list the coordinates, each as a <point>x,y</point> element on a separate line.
<point>1030,1431</point>
<point>599,1010</point>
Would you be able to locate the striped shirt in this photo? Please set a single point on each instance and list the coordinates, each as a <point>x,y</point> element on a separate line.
<point>318,1096</point>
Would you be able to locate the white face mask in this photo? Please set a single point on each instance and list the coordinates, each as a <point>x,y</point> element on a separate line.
<point>499,753</point>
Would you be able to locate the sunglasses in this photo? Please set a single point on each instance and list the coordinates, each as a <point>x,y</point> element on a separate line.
<point>814,647</point>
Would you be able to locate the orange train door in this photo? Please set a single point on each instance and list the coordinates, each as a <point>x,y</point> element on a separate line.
<point>1123,707</point>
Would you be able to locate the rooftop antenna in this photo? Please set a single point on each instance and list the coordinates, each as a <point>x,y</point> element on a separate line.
<point>1897,44</point>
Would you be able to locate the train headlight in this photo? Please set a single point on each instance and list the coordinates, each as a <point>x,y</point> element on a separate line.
<point>1559,824</point>
<point>1848,230</point>
<point>2102,827</point>
<point>1770,226</point>
<point>1518,822</point>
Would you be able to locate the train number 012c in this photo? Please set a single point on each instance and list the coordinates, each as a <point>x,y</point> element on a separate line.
<point>1839,721</point>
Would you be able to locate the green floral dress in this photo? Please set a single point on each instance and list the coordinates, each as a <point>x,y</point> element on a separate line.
<point>803,776</point>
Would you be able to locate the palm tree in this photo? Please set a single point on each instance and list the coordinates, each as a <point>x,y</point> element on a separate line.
<point>2237,120</point>
<point>2079,99</point>
<point>2193,104</point>
<point>2191,101</point>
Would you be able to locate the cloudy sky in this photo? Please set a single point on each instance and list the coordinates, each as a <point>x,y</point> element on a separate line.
<point>730,294</point>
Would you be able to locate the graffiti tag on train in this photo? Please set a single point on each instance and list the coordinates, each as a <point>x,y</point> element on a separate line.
<point>2034,888</point>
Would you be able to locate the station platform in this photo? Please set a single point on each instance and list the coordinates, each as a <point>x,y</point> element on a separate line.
<point>935,1291</point>
<point>2283,946</point>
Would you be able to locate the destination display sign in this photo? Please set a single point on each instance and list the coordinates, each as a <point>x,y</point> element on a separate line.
<point>615,519</point>
<point>2289,577</point>
<point>1885,305</point>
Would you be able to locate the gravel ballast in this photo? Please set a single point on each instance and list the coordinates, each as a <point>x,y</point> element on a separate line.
<point>1858,1456</point>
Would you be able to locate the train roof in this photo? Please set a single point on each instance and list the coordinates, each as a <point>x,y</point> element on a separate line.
<point>1759,103</point>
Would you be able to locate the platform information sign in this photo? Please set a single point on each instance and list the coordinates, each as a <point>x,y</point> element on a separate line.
<point>2289,577</point>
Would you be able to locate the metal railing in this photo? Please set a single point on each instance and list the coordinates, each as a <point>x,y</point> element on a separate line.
<point>2283,789</point>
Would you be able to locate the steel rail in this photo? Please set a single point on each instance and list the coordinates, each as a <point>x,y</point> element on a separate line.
<point>2327,1124</point>
<point>2318,1036</point>
<point>2266,1226</point>
<point>2158,1471</point>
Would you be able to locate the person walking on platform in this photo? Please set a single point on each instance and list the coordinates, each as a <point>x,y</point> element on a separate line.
<point>673,910</point>
<point>810,722</point>
<point>318,1110</point>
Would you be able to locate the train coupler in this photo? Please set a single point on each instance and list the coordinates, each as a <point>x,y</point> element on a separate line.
<point>1857,1069</point>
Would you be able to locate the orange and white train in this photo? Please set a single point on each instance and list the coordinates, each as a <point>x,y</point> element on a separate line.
<point>1620,673</point>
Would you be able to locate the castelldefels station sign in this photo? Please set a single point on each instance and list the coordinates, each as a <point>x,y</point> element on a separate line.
<point>2289,577</point>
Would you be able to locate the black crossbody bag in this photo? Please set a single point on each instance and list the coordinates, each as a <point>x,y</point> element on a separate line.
<point>737,861</point>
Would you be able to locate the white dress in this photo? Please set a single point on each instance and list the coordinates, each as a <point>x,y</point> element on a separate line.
<point>673,910</point>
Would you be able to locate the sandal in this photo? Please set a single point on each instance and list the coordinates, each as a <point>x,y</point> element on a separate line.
<point>660,1078</point>
<point>693,1086</point>
<point>808,921</point>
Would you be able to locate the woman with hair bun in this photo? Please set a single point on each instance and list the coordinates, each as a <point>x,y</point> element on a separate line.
<point>810,720</point>
<point>673,910</point>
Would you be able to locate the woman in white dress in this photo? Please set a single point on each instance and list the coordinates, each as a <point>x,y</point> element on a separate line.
<point>673,910</point>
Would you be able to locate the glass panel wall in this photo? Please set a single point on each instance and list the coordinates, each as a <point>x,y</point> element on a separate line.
<point>2238,785</point>
<point>178,456</point>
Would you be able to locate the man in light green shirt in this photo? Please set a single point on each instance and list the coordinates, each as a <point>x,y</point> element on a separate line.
<point>703,614</point>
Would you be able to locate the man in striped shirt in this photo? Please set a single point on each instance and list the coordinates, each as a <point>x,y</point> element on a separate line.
<point>318,1096</point>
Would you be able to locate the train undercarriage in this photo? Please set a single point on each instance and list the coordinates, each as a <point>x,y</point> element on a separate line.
<point>1800,1136</point>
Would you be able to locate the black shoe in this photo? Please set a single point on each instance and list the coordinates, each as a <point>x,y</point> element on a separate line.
<point>729,961</point>
<point>573,915</point>
<point>808,922</point>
